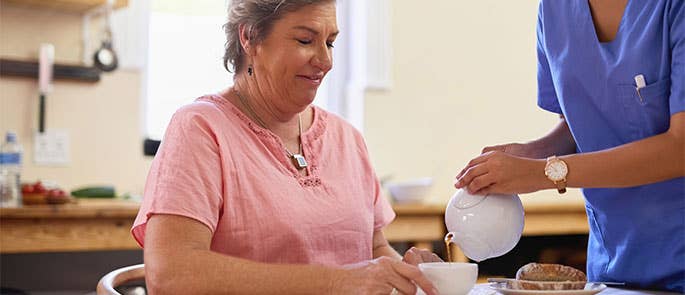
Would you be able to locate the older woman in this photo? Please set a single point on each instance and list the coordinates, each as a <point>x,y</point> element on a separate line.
<point>254,190</point>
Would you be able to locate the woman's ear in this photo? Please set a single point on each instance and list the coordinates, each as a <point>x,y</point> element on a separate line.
<point>245,40</point>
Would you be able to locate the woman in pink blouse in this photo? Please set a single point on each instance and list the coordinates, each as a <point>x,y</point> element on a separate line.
<point>254,190</point>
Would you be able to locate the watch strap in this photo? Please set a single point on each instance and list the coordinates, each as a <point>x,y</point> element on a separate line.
<point>561,186</point>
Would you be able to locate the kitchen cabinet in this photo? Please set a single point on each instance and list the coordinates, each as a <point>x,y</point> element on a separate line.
<point>77,6</point>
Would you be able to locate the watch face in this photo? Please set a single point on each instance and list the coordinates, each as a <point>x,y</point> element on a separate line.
<point>556,170</point>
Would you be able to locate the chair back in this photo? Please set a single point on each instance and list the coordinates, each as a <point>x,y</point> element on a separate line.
<point>118,277</point>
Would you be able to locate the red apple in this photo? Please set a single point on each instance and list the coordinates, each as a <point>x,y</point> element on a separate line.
<point>26,188</point>
<point>39,188</point>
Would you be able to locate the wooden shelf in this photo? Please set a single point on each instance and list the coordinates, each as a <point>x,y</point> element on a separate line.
<point>29,69</point>
<point>78,6</point>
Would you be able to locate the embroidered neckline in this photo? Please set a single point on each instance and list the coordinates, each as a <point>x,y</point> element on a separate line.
<point>310,135</point>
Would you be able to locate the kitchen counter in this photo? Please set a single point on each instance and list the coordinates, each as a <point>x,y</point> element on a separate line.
<point>88,225</point>
<point>104,224</point>
<point>423,224</point>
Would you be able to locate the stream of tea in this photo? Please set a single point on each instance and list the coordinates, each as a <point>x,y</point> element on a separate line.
<point>448,241</point>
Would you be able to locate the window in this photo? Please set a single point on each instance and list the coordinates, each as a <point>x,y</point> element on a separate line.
<point>184,57</point>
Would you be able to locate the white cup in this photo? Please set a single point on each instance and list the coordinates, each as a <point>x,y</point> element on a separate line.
<point>484,226</point>
<point>451,278</point>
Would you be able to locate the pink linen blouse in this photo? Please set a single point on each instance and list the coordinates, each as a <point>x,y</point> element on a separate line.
<point>218,167</point>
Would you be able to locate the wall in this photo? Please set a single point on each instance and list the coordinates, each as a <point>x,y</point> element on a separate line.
<point>104,123</point>
<point>103,119</point>
<point>463,78</point>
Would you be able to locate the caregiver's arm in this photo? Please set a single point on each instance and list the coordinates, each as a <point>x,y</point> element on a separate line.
<point>558,141</point>
<point>653,159</point>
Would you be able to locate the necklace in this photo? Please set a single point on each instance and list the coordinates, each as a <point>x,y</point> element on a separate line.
<point>298,159</point>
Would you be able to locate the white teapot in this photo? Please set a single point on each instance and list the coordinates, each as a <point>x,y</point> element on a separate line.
<point>484,226</point>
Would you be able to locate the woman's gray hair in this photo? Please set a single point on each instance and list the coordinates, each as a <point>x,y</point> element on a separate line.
<point>258,16</point>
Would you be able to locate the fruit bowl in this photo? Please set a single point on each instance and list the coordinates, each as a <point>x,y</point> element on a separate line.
<point>38,194</point>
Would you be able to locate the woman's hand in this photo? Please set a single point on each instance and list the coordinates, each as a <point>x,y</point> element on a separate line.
<point>498,172</point>
<point>414,256</point>
<point>381,276</point>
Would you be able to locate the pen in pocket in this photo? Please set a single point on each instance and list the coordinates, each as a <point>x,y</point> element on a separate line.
<point>639,84</point>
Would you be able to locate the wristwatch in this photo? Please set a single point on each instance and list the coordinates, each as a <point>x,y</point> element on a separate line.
<point>556,171</point>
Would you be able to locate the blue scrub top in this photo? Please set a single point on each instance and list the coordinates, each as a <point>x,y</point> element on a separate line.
<point>637,234</point>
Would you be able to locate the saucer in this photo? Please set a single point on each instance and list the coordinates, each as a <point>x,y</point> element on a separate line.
<point>590,288</point>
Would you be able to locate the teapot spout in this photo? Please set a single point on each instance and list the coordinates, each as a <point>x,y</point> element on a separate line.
<point>448,237</point>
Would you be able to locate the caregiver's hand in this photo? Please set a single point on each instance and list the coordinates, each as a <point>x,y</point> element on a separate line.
<point>381,276</point>
<point>497,172</point>
<point>526,150</point>
<point>509,148</point>
<point>414,256</point>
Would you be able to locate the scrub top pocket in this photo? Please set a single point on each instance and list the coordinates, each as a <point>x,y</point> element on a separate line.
<point>647,112</point>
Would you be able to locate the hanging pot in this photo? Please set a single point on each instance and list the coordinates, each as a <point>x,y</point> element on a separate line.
<point>105,58</point>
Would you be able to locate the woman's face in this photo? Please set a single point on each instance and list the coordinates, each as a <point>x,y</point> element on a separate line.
<point>291,62</point>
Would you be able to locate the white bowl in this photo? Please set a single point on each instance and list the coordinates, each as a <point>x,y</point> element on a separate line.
<point>451,278</point>
<point>484,226</point>
<point>412,191</point>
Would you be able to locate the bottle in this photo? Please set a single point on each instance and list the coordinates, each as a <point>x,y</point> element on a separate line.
<point>10,171</point>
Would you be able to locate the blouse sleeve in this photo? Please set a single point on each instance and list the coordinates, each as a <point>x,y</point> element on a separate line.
<point>677,33</point>
<point>547,97</point>
<point>186,176</point>
<point>383,212</point>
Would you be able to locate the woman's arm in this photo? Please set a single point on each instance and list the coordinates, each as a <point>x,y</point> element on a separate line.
<point>178,260</point>
<point>657,158</point>
<point>381,247</point>
<point>413,256</point>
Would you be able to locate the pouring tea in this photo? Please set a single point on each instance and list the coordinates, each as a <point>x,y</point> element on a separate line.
<point>483,226</point>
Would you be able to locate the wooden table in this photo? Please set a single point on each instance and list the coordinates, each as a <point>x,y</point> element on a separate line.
<point>423,224</point>
<point>89,225</point>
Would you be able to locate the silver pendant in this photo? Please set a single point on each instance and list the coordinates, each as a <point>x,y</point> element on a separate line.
<point>299,161</point>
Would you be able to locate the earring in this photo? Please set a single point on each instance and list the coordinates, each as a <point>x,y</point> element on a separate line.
<point>249,70</point>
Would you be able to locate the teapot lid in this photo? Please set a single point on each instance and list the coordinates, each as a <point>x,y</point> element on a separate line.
<point>465,200</point>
